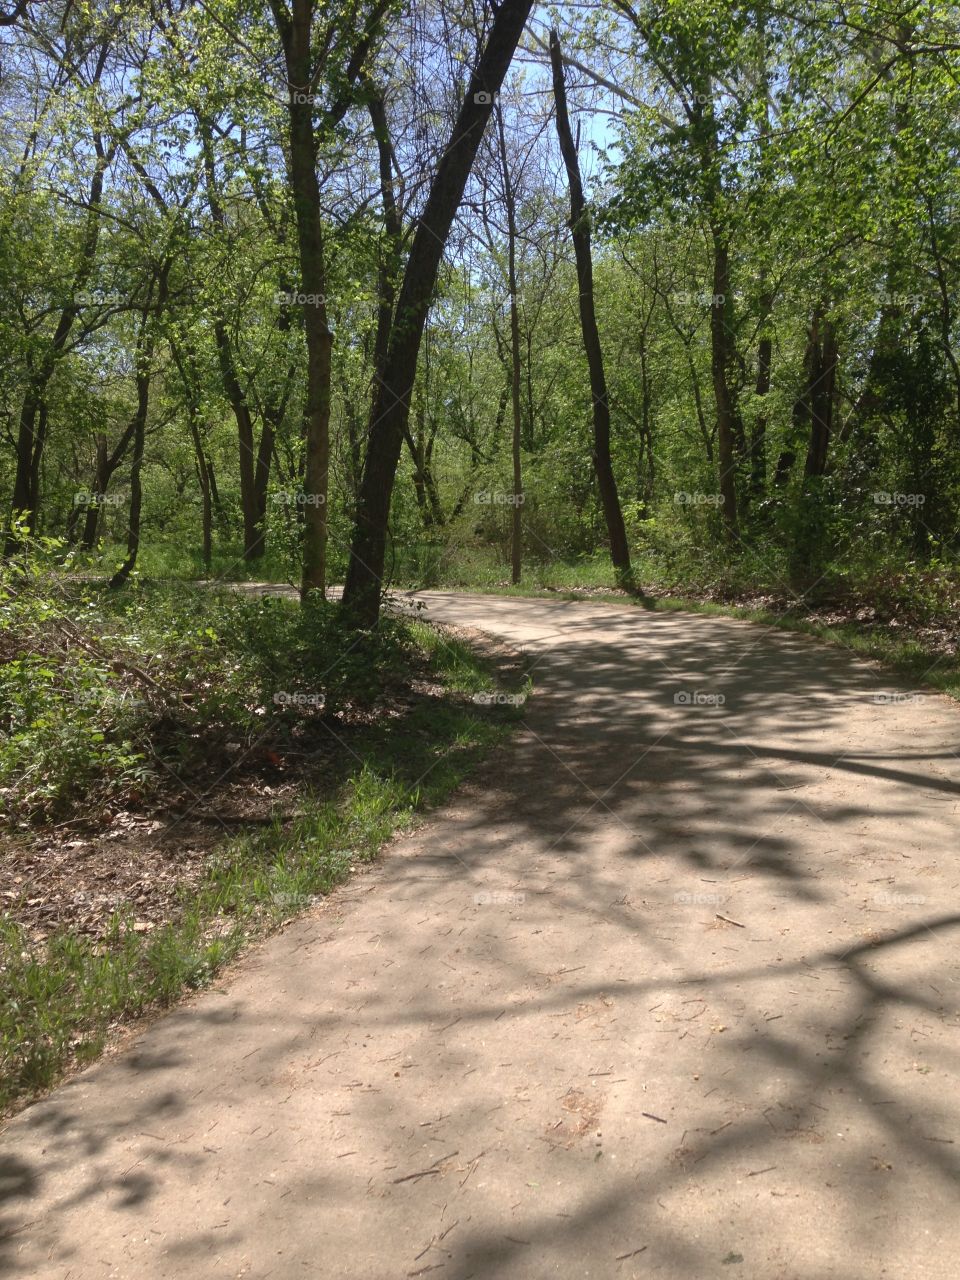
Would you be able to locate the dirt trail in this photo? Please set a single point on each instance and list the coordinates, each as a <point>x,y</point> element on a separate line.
<point>669,991</point>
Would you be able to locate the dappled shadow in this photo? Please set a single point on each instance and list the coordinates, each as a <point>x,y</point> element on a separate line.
<point>670,989</point>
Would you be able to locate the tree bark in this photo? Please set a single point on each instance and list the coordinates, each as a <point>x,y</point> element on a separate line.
<point>31,434</point>
<point>820,394</point>
<point>721,360</point>
<point>144,359</point>
<point>580,232</point>
<point>390,408</point>
<point>516,519</point>
<point>758,436</point>
<point>295,28</point>
<point>236,393</point>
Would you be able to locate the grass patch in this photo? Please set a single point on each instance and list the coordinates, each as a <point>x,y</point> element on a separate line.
<point>401,726</point>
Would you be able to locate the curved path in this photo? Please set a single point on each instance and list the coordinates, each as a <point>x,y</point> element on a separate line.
<point>669,990</point>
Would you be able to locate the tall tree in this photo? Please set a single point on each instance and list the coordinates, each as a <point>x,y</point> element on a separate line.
<point>580,233</point>
<point>390,410</point>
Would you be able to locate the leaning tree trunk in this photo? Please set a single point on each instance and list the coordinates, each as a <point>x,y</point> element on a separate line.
<point>580,232</point>
<point>390,410</point>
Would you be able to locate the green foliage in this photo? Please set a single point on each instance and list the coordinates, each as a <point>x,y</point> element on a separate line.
<point>59,1001</point>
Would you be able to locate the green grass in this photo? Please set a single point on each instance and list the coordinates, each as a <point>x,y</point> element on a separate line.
<point>185,563</point>
<point>59,1004</point>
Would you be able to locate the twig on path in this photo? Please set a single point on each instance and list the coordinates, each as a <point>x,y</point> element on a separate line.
<point>473,1164</point>
<point>649,1116</point>
<point>727,920</point>
<point>623,1256</point>
<point>423,1173</point>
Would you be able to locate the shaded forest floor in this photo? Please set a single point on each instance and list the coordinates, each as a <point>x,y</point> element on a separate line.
<point>181,777</point>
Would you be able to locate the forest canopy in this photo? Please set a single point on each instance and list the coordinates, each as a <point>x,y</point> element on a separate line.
<point>321,292</point>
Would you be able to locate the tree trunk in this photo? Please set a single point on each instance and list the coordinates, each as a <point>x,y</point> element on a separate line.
<point>391,402</point>
<point>101,478</point>
<point>136,486</point>
<point>758,436</point>
<point>580,232</point>
<point>144,361</point>
<point>210,498</point>
<point>820,394</point>
<point>31,435</point>
<point>250,458</point>
<point>424,488</point>
<point>105,467</point>
<point>296,30</point>
<point>516,519</point>
<point>203,474</point>
<point>646,467</point>
<point>721,361</point>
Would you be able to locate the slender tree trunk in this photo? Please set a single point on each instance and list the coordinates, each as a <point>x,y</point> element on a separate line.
<point>24,502</point>
<point>203,474</point>
<point>646,469</point>
<point>721,361</point>
<point>144,359</point>
<point>820,396</point>
<point>210,498</point>
<point>946,316</point>
<point>136,483</point>
<point>230,377</point>
<point>580,232</point>
<point>31,435</point>
<point>758,436</point>
<point>391,403</point>
<point>424,488</point>
<point>101,478</point>
<point>296,28</point>
<point>43,426</point>
<point>516,515</point>
<point>106,465</point>
<point>433,496</point>
<point>261,482</point>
